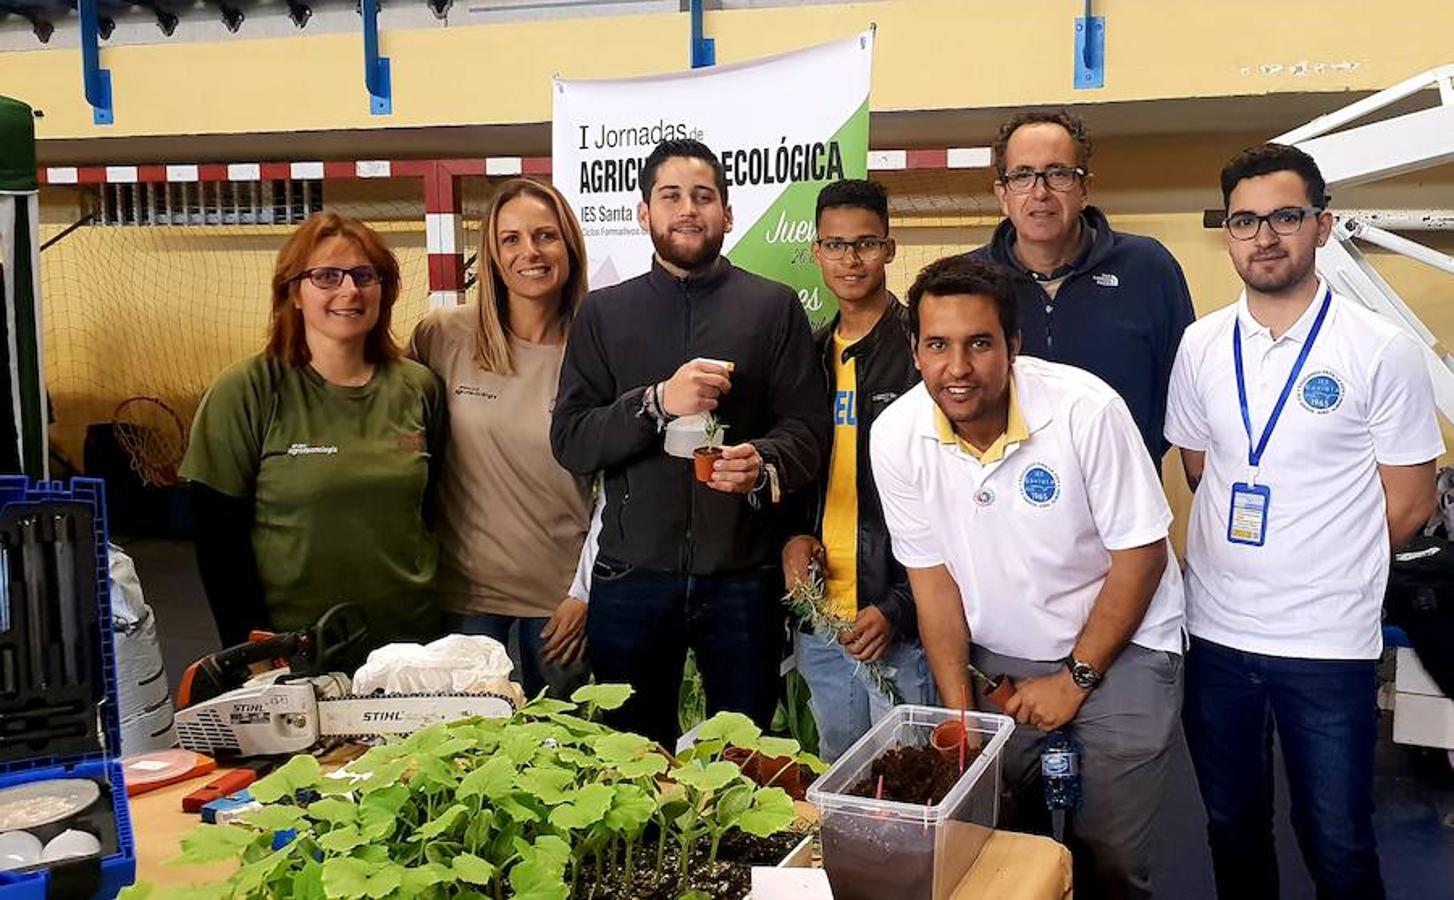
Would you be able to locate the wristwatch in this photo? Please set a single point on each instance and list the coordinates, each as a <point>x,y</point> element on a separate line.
<point>1083,674</point>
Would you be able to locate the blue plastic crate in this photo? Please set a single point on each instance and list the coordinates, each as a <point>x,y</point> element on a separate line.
<point>93,760</point>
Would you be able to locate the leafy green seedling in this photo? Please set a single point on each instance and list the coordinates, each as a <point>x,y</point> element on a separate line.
<point>602,697</point>
<point>529,807</point>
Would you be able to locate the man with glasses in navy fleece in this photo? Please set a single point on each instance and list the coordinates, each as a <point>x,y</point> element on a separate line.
<point>1111,303</point>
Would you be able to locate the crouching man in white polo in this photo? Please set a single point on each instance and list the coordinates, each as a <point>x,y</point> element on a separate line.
<point>1020,498</point>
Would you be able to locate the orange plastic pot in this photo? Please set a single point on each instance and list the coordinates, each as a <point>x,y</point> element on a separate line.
<point>703,459</point>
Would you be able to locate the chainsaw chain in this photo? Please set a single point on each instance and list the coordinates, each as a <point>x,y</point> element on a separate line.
<point>430,695</point>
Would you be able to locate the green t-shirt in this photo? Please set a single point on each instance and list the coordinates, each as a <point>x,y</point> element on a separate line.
<point>339,477</point>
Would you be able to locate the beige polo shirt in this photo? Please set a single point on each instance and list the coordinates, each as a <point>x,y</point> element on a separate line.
<point>512,520</point>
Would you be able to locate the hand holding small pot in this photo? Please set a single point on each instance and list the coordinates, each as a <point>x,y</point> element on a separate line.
<point>736,471</point>
<point>1047,702</point>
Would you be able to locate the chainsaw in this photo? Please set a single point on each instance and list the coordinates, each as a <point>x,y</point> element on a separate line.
<point>279,714</point>
<point>337,643</point>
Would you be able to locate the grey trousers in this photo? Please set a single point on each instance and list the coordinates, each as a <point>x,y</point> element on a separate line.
<point>1124,731</point>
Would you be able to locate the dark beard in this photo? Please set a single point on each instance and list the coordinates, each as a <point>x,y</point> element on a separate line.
<point>1276,285</point>
<point>710,250</point>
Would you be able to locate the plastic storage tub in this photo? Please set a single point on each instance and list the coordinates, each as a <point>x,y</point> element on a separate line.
<point>876,849</point>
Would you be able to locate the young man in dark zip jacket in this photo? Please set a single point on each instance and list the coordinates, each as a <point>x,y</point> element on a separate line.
<point>1111,303</point>
<point>866,363</point>
<point>680,563</point>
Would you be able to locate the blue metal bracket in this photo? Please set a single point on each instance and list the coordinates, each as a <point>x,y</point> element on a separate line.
<point>97,81</point>
<point>376,67</point>
<point>1090,51</point>
<point>704,49</point>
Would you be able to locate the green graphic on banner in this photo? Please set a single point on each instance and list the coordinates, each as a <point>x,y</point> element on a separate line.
<point>780,244</point>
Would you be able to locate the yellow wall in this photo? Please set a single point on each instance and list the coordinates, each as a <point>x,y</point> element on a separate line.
<point>931,54</point>
<point>159,311</point>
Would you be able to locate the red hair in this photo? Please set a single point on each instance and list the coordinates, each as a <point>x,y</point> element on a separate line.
<point>287,339</point>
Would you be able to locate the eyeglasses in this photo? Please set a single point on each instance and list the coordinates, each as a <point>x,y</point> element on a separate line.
<point>327,278</point>
<point>868,249</point>
<point>1057,178</point>
<point>1244,225</point>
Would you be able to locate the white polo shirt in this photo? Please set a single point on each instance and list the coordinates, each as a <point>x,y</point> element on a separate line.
<point>1028,537</point>
<point>1315,588</point>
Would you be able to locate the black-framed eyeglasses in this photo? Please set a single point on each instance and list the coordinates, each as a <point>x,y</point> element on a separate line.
<point>868,249</point>
<point>1057,178</point>
<point>327,278</point>
<point>1289,220</point>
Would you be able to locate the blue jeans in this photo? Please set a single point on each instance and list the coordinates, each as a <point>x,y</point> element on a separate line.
<point>1326,716</point>
<point>533,673</point>
<point>641,623</point>
<point>844,703</point>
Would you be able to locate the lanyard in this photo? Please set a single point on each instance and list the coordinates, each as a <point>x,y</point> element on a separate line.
<point>1254,452</point>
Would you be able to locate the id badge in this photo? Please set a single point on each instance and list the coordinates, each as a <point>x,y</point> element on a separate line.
<point>1247,523</point>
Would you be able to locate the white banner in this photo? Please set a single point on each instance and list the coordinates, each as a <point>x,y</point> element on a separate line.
<point>783,127</point>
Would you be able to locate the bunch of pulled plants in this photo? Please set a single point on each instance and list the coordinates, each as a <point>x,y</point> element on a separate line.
<point>548,804</point>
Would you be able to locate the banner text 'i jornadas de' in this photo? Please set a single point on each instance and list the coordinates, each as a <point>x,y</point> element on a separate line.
<point>783,127</point>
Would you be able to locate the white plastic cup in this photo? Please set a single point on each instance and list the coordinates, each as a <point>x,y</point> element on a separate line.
<point>18,849</point>
<point>69,844</point>
<point>685,434</point>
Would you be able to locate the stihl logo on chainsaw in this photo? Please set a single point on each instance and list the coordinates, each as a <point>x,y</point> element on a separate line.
<point>276,718</point>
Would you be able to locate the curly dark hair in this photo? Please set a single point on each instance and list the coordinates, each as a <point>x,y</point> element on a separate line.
<point>1071,122</point>
<point>961,276</point>
<point>1264,159</point>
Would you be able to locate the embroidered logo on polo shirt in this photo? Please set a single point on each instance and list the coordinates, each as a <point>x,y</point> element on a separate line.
<point>305,450</point>
<point>474,390</point>
<point>1039,485</point>
<point>1321,392</point>
<point>1106,279</point>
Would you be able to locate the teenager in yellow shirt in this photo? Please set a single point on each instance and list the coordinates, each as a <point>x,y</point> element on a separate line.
<point>866,365</point>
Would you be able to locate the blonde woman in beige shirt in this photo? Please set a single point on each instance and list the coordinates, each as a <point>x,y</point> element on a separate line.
<point>512,520</point>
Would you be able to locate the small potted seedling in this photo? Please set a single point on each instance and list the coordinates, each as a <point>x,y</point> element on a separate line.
<point>997,689</point>
<point>705,456</point>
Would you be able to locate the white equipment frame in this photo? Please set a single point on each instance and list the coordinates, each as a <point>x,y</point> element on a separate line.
<point>1381,149</point>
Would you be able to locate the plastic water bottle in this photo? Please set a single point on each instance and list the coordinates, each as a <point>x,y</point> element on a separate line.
<point>1060,772</point>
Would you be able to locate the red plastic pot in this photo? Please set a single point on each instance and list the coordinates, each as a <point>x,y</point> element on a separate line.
<point>1000,692</point>
<point>946,738</point>
<point>778,771</point>
<point>703,459</point>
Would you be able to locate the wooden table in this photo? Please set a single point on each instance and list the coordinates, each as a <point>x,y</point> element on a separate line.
<point>1014,866</point>
<point>157,828</point>
<point>1011,866</point>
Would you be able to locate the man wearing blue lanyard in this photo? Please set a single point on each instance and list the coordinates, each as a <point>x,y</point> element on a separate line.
<point>1307,430</point>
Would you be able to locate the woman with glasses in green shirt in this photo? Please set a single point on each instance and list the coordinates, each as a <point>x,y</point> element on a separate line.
<point>312,462</point>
